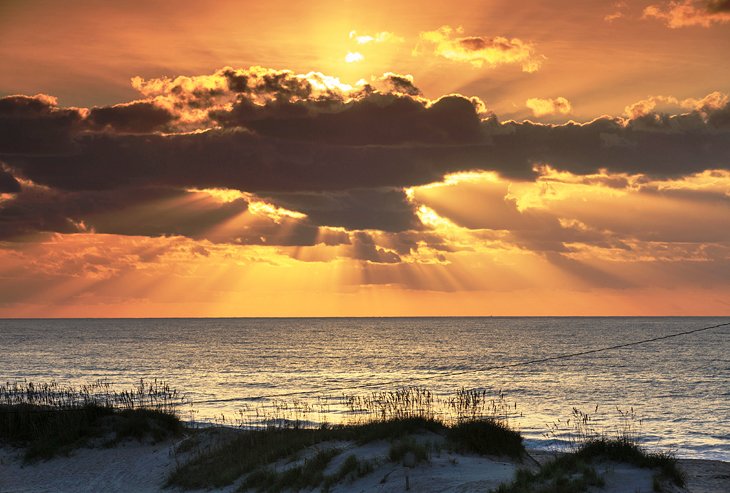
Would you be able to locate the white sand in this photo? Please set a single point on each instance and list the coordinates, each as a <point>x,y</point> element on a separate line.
<point>134,467</point>
<point>128,467</point>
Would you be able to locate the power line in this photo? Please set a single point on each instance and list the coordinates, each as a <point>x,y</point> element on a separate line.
<point>463,372</point>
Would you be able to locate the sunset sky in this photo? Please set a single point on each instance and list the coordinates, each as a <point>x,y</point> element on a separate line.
<point>336,158</point>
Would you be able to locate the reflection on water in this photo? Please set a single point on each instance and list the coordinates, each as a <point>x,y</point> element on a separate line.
<point>680,386</point>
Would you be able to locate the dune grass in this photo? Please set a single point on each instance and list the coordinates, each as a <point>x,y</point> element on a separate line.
<point>250,452</point>
<point>49,419</point>
<point>629,452</point>
<point>589,445</point>
<point>567,474</point>
<point>351,469</point>
<point>574,472</point>
<point>486,437</point>
<point>309,475</point>
<point>472,422</point>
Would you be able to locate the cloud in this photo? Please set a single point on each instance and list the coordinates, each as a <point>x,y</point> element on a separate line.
<point>135,117</point>
<point>399,84</point>
<point>353,57</point>
<point>8,183</point>
<point>135,212</point>
<point>356,209</point>
<point>544,107</point>
<point>380,37</point>
<point>684,13</point>
<point>718,5</point>
<point>619,11</point>
<point>480,50</point>
<point>485,205</point>
<point>337,155</point>
<point>368,140</point>
<point>36,125</point>
<point>711,106</point>
<point>364,248</point>
<point>154,212</point>
<point>372,120</point>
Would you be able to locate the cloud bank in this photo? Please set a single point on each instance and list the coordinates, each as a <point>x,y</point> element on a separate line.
<point>269,157</point>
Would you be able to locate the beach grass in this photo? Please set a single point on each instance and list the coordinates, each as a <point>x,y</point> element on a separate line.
<point>50,419</point>
<point>251,451</point>
<point>285,451</point>
<point>476,425</point>
<point>588,445</point>
<point>308,475</point>
<point>575,472</point>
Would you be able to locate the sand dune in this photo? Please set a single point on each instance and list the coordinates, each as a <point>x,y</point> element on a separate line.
<point>133,466</point>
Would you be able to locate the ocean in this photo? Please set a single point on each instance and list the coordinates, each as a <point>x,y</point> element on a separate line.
<point>679,388</point>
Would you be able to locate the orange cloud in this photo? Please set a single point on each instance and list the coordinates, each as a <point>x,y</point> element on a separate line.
<point>544,107</point>
<point>686,13</point>
<point>668,104</point>
<point>618,12</point>
<point>479,50</point>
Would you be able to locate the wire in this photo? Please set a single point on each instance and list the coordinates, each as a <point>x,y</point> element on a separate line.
<point>462,372</point>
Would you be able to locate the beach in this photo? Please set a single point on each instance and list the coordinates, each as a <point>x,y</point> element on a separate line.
<point>145,468</point>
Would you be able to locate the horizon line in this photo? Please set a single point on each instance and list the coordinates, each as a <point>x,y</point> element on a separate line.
<point>359,317</point>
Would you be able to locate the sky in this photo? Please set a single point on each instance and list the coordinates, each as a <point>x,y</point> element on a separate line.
<point>342,158</point>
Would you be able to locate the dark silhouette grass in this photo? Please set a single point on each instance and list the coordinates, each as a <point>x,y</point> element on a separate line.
<point>48,419</point>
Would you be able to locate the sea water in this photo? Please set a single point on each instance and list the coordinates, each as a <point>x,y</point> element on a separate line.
<point>678,387</point>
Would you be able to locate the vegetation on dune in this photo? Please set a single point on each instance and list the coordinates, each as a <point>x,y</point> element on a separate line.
<point>309,475</point>
<point>49,419</point>
<point>475,426</point>
<point>574,471</point>
<point>250,452</point>
<point>486,437</point>
<point>418,451</point>
<point>289,453</point>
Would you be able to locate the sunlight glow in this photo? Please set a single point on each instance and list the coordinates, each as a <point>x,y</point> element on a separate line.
<point>353,57</point>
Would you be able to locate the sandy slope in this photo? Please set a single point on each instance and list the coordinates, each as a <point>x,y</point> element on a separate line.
<point>134,467</point>
<point>125,468</point>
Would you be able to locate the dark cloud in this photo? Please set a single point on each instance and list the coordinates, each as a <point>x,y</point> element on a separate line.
<point>718,6</point>
<point>259,81</point>
<point>138,212</point>
<point>374,120</point>
<point>27,106</point>
<point>381,209</point>
<point>8,183</point>
<point>35,125</point>
<point>401,84</point>
<point>153,212</point>
<point>392,141</point>
<point>235,159</point>
<point>308,145</point>
<point>364,248</point>
<point>135,117</point>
